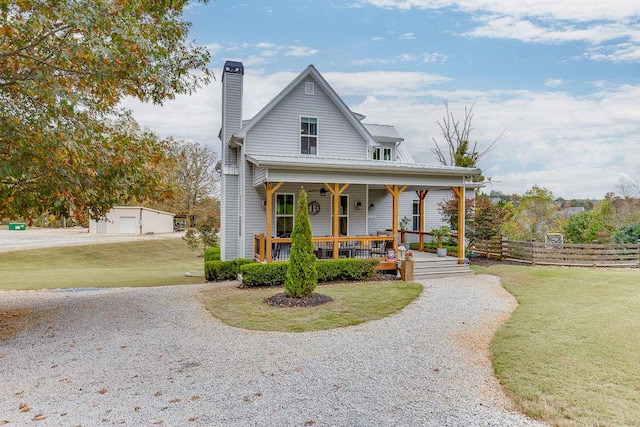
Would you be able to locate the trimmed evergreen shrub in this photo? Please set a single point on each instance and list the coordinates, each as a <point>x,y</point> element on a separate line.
<point>346,269</point>
<point>224,270</point>
<point>302,276</point>
<point>257,274</point>
<point>275,273</point>
<point>212,254</point>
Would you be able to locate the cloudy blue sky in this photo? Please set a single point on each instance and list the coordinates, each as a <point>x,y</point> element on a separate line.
<point>558,79</point>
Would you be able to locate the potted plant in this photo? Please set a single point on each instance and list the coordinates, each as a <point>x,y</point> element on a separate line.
<point>439,232</point>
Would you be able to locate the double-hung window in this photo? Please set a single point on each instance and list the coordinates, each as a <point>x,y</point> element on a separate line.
<point>284,214</point>
<point>415,216</point>
<point>308,135</point>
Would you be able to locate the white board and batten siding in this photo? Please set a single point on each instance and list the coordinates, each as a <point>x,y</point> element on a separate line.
<point>133,220</point>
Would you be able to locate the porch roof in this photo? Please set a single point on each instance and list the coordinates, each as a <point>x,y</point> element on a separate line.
<point>318,170</point>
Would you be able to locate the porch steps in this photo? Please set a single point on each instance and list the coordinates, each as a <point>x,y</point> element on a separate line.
<point>433,268</point>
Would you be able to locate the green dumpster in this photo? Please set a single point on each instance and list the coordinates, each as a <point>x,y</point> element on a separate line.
<point>17,226</point>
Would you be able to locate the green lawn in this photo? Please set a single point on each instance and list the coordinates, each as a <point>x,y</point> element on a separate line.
<point>143,263</point>
<point>570,353</point>
<point>352,304</point>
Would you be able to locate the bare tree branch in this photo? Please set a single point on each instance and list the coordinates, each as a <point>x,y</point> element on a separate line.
<point>457,137</point>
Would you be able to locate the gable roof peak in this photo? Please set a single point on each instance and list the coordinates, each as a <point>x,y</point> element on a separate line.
<point>331,94</point>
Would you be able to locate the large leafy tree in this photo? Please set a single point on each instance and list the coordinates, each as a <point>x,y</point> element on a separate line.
<point>596,224</point>
<point>535,215</point>
<point>65,144</point>
<point>489,217</point>
<point>449,210</point>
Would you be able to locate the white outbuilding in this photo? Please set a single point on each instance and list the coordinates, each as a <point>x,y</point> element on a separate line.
<point>133,220</point>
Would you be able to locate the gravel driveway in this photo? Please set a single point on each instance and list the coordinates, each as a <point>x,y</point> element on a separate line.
<point>154,356</point>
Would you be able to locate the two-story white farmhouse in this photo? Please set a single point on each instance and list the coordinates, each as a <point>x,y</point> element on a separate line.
<point>360,178</point>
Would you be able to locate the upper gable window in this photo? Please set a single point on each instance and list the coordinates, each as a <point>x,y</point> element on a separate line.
<point>309,88</point>
<point>308,135</point>
<point>382,154</point>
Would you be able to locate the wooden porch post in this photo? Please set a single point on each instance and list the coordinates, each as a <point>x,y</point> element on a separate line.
<point>336,191</point>
<point>459,192</point>
<point>395,191</point>
<point>421,195</point>
<point>269,189</point>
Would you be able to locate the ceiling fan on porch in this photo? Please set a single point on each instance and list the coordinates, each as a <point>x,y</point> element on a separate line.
<point>322,191</point>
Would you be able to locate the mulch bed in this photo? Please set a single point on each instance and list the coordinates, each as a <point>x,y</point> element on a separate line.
<point>282,300</point>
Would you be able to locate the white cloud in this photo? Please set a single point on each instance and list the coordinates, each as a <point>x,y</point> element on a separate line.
<point>549,21</point>
<point>407,36</point>
<point>301,51</point>
<point>553,82</point>
<point>554,9</point>
<point>376,39</point>
<point>526,30</point>
<point>431,57</point>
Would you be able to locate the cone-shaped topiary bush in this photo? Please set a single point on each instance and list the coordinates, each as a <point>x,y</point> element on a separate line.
<point>302,276</point>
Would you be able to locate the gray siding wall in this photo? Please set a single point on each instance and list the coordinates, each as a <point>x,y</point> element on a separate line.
<point>380,217</point>
<point>232,85</point>
<point>229,218</point>
<point>255,214</point>
<point>259,175</point>
<point>279,131</point>
<point>434,217</point>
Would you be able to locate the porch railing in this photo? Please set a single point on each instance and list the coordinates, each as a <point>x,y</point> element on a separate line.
<point>348,247</point>
<point>421,236</point>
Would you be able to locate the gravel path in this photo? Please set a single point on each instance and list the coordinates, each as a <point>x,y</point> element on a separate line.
<point>154,356</point>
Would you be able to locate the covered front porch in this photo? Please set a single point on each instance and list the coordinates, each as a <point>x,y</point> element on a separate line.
<point>380,238</point>
<point>355,207</point>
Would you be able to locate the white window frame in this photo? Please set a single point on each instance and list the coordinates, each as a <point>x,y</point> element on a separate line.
<point>308,136</point>
<point>309,88</point>
<point>277,215</point>
<point>383,154</point>
<point>341,215</point>
<point>415,215</point>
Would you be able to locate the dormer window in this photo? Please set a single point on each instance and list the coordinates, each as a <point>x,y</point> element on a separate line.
<point>382,154</point>
<point>309,135</point>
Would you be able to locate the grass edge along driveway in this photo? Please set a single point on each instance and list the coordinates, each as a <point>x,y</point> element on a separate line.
<point>353,303</point>
<point>569,354</point>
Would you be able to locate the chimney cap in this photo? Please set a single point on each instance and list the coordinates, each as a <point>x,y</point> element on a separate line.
<point>233,67</point>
